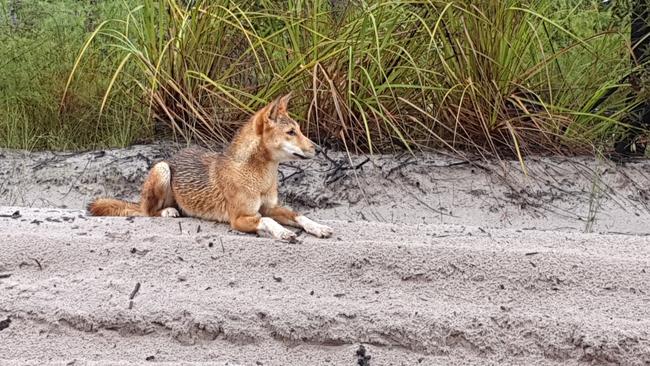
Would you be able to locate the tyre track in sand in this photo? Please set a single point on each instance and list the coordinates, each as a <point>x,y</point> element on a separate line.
<point>412,294</point>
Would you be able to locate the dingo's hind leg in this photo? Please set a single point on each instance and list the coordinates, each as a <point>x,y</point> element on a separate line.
<point>157,196</point>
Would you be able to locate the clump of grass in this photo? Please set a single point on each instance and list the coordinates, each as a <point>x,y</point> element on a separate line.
<point>497,78</point>
<point>40,41</point>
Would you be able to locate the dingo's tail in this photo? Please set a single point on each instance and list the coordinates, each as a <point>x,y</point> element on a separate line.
<point>113,207</point>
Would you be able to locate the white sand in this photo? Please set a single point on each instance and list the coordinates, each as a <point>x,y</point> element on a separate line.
<point>496,290</point>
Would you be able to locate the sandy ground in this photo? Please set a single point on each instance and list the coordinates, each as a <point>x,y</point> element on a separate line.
<point>558,194</point>
<point>434,262</point>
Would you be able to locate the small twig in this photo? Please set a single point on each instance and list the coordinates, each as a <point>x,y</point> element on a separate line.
<point>361,164</point>
<point>222,248</point>
<point>400,166</point>
<point>77,178</point>
<point>428,206</point>
<point>343,166</point>
<point>135,291</point>
<point>337,172</point>
<point>180,227</point>
<point>336,178</point>
<point>14,215</point>
<point>40,268</point>
<point>297,172</point>
<point>5,275</point>
<point>466,162</point>
<point>328,158</point>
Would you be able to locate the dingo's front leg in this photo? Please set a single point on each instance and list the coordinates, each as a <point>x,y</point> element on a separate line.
<point>286,216</point>
<point>263,226</point>
<point>244,216</point>
<point>314,228</point>
<point>268,226</point>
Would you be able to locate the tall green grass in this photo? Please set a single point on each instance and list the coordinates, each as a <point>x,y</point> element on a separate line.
<point>37,52</point>
<point>504,78</point>
<point>496,78</point>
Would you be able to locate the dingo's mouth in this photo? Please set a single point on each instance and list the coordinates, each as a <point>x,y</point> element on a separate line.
<point>300,156</point>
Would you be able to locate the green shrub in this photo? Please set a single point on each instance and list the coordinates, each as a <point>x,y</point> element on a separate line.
<point>38,50</point>
<point>502,78</point>
<point>491,77</point>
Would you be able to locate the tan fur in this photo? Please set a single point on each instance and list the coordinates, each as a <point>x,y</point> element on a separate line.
<point>239,186</point>
<point>113,207</point>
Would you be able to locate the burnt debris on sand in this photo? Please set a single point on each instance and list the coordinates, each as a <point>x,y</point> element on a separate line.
<point>14,215</point>
<point>362,358</point>
<point>4,324</point>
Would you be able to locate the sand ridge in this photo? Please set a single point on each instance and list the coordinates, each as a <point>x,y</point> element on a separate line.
<point>413,294</point>
<point>559,194</point>
<point>434,262</point>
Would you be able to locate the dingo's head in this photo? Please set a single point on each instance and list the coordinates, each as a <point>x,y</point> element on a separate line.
<point>281,135</point>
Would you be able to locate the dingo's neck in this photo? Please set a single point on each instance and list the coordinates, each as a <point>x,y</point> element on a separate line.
<point>246,148</point>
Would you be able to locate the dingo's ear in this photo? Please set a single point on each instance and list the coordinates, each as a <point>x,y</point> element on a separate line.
<point>283,104</point>
<point>266,116</point>
<point>274,110</point>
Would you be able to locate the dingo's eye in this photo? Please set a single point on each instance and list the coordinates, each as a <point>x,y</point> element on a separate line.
<point>291,132</point>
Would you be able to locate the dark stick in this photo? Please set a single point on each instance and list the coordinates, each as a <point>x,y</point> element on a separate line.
<point>361,164</point>
<point>40,268</point>
<point>298,171</point>
<point>400,166</point>
<point>135,291</point>
<point>328,158</point>
<point>14,215</point>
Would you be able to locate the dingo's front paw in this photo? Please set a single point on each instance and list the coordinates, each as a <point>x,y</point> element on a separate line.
<point>287,235</point>
<point>169,212</point>
<point>269,227</point>
<point>314,228</point>
<point>321,231</point>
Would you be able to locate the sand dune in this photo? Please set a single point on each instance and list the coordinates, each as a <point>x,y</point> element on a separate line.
<point>434,262</point>
<point>412,294</point>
